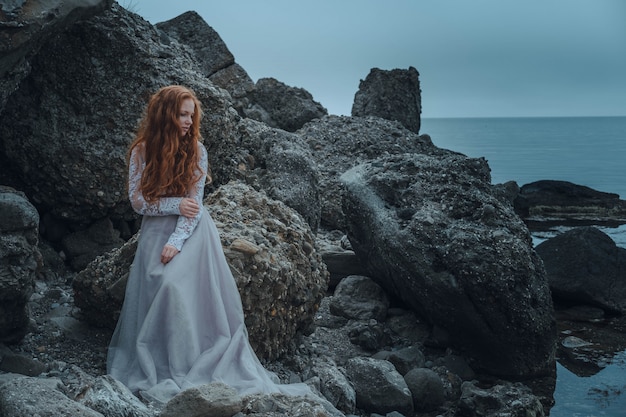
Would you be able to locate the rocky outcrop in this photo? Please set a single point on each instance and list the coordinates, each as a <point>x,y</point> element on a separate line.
<point>339,143</point>
<point>271,252</point>
<point>86,126</point>
<point>584,266</point>
<point>215,59</point>
<point>393,95</point>
<point>281,163</point>
<point>430,231</point>
<point>20,260</point>
<point>25,25</point>
<point>560,202</point>
<point>281,106</point>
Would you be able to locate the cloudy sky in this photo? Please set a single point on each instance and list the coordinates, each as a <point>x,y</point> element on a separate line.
<point>479,58</point>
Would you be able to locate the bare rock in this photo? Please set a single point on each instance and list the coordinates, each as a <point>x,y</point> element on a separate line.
<point>562,202</point>
<point>112,399</point>
<point>86,113</point>
<point>281,106</point>
<point>359,297</point>
<point>507,399</point>
<point>283,280</point>
<point>426,389</point>
<point>585,266</point>
<point>190,29</point>
<point>27,397</point>
<point>26,24</point>
<point>392,95</point>
<point>339,143</point>
<point>281,164</point>
<point>379,387</point>
<point>431,232</point>
<point>20,260</point>
<point>215,400</point>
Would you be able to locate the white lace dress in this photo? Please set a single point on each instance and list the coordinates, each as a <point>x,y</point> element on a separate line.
<point>182,324</point>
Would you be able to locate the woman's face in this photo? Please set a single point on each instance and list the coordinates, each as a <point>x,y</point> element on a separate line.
<point>185,120</point>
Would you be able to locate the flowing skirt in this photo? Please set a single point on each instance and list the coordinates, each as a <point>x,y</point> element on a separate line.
<point>182,324</point>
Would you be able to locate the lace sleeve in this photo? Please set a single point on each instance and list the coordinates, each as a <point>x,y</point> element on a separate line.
<point>165,206</point>
<point>185,225</point>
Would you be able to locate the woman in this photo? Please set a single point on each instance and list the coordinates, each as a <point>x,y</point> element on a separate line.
<point>182,322</point>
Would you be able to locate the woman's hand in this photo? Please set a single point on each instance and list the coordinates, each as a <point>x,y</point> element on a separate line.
<point>189,207</point>
<point>168,253</point>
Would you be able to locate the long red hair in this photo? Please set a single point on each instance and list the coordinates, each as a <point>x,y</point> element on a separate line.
<point>172,161</point>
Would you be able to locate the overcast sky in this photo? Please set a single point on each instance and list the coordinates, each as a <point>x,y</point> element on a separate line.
<point>478,58</point>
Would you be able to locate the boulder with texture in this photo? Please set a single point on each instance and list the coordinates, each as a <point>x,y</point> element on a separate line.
<point>432,233</point>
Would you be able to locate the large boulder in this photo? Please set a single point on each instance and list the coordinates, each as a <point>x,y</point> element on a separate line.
<point>26,25</point>
<point>81,117</point>
<point>339,143</point>
<point>432,233</point>
<point>281,163</point>
<point>271,252</point>
<point>393,95</point>
<point>282,106</point>
<point>20,260</point>
<point>585,266</point>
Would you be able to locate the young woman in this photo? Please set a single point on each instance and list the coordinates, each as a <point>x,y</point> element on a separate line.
<point>182,322</point>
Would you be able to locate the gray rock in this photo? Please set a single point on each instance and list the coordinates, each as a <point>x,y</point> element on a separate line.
<point>431,232</point>
<point>28,397</point>
<point>85,245</point>
<point>334,385</point>
<point>25,29</point>
<point>404,359</point>
<point>191,30</point>
<point>426,388</point>
<point>359,297</point>
<point>393,95</point>
<point>508,399</point>
<point>19,364</point>
<point>20,260</point>
<point>283,107</point>
<point>112,399</point>
<point>379,387</point>
<point>565,202</point>
<point>284,167</point>
<point>339,143</point>
<point>86,126</point>
<point>340,264</point>
<point>585,266</point>
<point>215,400</point>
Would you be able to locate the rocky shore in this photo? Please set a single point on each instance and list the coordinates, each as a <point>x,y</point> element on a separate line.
<point>388,274</point>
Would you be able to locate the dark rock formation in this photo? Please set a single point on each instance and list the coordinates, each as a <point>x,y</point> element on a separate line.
<point>500,400</point>
<point>27,24</point>
<point>20,260</point>
<point>216,61</point>
<point>432,233</point>
<point>281,163</point>
<point>584,266</point>
<point>86,125</point>
<point>338,143</point>
<point>393,95</point>
<point>549,201</point>
<point>281,106</point>
<point>271,251</point>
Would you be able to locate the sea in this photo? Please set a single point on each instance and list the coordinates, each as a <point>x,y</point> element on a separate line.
<point>588,151</point>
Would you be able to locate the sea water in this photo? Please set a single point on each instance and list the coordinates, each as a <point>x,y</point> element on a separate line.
<point>588,151</point>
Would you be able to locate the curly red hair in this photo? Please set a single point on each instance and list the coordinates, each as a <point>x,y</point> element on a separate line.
<point>172,161</point>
